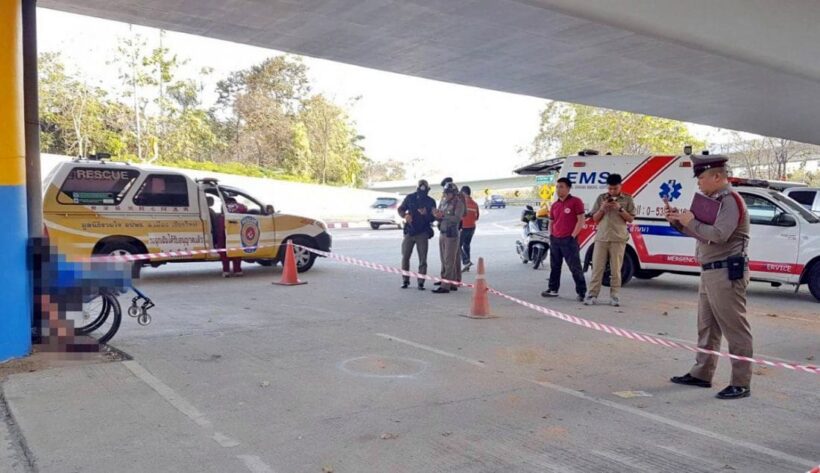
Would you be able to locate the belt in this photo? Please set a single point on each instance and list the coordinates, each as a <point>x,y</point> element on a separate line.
<point>721,265</point>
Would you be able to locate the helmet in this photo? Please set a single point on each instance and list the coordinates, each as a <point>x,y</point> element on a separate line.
<point>527,215</point>
<point>543,212</point>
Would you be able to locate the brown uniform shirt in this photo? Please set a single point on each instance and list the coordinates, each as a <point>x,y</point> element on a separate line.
<point>453,213</point>
<point>612,227</point>
<point>726,237</point>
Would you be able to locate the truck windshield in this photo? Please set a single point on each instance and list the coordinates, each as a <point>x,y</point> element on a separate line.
<point>795,207</point>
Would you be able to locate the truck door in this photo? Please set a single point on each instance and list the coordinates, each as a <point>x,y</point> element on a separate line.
<point>248,228</point>
<point>773,246</point>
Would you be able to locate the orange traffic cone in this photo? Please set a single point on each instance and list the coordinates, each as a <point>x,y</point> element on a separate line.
<point>480,308</point>
<point>290,276</point>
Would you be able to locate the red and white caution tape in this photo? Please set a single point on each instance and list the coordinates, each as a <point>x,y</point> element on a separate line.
<point>170,254</point>
<point>609,329</point>
<point>814,470</point>
<point>383,268</point>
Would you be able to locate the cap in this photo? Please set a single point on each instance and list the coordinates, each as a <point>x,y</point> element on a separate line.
<point>451,188</point>
<point>701,163</point>
<point>424,183</point>
<point>446,181</point>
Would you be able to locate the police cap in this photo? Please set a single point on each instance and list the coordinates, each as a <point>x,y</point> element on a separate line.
<point>701,163</point>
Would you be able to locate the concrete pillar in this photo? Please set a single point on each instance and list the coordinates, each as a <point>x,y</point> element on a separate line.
<point>15,281</point>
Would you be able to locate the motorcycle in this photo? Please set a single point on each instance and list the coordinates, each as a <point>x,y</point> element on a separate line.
<point>535,242</point>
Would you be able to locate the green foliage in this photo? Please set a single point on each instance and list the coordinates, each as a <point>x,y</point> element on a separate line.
<point>566,129</point>
<point>266,124</point>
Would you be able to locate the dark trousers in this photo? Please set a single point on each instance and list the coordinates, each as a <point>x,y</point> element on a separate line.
<point>466,241</point>
<point>566,249</point>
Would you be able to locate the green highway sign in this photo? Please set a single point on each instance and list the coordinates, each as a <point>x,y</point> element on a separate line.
<point>549,179</point>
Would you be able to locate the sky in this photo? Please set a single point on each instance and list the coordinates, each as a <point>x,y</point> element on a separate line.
<point>465,132</point>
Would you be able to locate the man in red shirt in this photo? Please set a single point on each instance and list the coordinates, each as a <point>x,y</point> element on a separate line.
<point>468,224</point>
<point>567,215</point>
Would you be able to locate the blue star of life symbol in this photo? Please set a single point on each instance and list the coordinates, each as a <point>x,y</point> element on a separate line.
<point>671,190</point>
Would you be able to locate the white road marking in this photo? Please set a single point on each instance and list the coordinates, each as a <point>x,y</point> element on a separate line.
<point>432,350</point>
<point>168,394</point>
<point>255,464</point>
<point>628,409</point>
<point>179,403</point>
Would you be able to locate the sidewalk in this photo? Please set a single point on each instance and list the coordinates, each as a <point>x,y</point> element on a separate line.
<point>102,418</point>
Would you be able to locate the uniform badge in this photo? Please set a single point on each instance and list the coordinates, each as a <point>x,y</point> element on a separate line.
<point>249,234</point>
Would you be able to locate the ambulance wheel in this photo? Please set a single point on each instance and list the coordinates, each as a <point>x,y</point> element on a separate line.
<point>627,271</point>
<point>647,273</point>
<point>374,226</point>
<point>814,281</point>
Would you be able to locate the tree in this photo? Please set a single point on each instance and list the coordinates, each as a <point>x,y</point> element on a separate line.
<point>163,66</point>
<point>766,157</point>
<point>568,128</point>
<point>72,112</point>
<point>135,76</point>
<point>333,142</point>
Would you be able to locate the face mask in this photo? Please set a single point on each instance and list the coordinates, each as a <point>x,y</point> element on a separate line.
<point>423,190</point>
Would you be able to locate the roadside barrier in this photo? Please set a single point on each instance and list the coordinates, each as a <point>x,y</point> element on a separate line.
<point>609,329</point>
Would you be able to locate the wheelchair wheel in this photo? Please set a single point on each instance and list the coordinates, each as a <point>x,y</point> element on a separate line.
<point>100,317</point>
<point>91,315</point>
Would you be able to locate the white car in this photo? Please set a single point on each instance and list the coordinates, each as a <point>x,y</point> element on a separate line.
<point>385,212</point>
<point>808,197</point>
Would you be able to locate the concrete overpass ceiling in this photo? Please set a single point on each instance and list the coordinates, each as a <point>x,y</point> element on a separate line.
<point>750,65</point>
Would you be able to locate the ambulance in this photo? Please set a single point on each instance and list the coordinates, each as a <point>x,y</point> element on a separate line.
<point>95,207</point>
<point>785,237</point>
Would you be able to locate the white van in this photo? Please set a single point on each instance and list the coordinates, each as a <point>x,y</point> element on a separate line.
<point>785,237</point>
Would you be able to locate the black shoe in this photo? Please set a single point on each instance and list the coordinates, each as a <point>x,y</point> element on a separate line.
<point>689,380</point>
<point>421,287</point>
<point>580,298</point>
<point>438,283</point>
<point>734,392</point>
<point>454,289</point>
<point>549,294</point>
<point>405,284</point>
<point>441,291</point>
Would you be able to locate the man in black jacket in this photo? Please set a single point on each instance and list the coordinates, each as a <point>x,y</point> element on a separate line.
<point>417,212</point>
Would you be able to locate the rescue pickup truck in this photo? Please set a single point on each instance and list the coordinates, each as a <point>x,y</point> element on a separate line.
<point>94,207</point>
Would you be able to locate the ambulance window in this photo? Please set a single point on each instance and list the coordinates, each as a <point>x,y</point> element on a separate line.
<point>163,190</point>
<point>761,211</point>
<point>805,198</point>
<point>96,186</point>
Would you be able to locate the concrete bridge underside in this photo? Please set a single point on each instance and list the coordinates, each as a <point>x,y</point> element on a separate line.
<point>750,65</point>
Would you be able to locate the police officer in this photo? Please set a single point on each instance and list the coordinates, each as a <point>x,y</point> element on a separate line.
<point>417,211</point>
<point>449,215</point>
<point>721,252</point>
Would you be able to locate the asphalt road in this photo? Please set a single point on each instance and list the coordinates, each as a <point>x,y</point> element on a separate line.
<point>349,373</point>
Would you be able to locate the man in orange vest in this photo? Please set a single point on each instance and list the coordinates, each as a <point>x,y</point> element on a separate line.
<point>468,225</point>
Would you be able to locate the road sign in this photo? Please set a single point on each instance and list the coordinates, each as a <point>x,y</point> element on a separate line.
<point>545,192</point>
<point>548,179</point>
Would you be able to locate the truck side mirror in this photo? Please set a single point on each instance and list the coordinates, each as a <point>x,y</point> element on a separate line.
<point>269,210</point>
<point>785,220</point>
